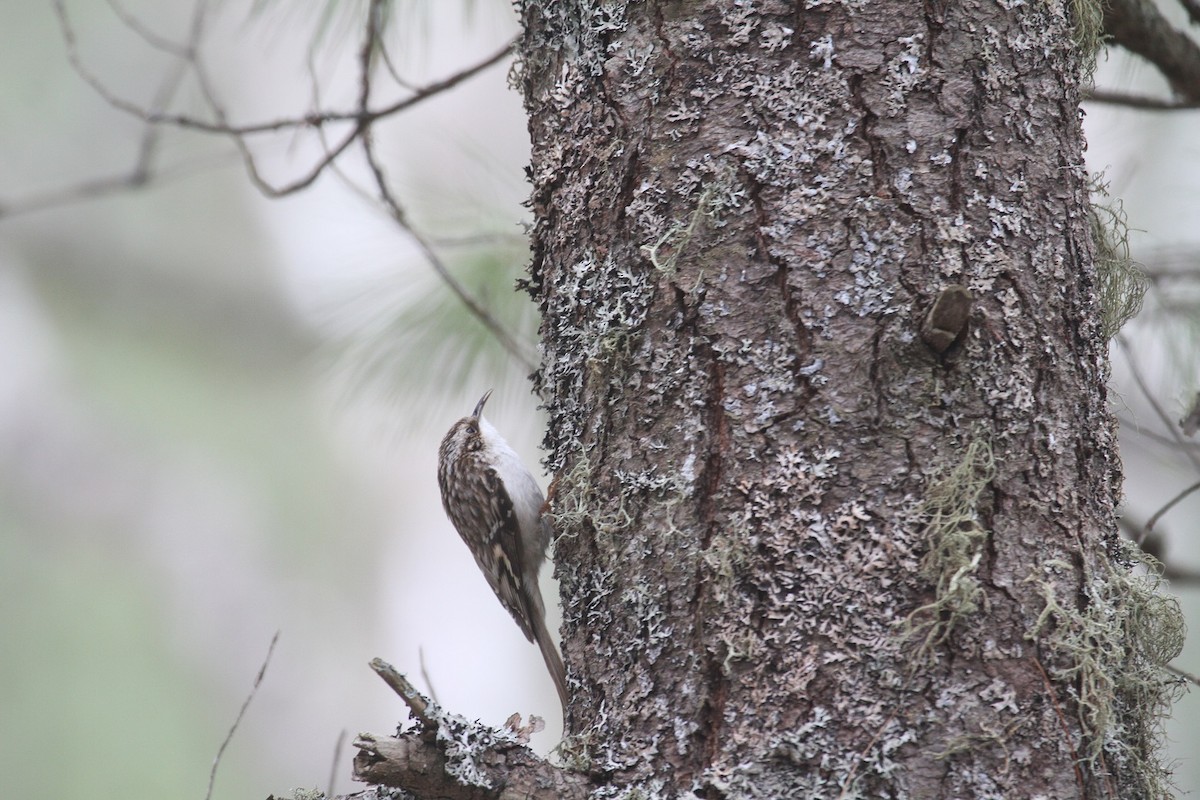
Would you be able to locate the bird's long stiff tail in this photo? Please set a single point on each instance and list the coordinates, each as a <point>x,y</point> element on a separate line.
<point>545,643</point>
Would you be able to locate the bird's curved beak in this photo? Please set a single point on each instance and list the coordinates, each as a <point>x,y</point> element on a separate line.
<point>479,406</point>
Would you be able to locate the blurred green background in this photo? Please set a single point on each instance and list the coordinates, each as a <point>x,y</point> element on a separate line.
<point>189,459</point>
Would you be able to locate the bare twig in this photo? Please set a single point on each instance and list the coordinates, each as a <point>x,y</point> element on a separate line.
<point>437,87</point>
<point>1149,526</point>
<point>1183,674</point>
<point>396,210</point>
<point>1191,420</point>
<point>1138,101</point>
<point>212,775</point>
<point>338,746</point>
<point>1138,26</point>
<point>224,127</point>
<point>92,80</point>
<point>1167,422</point>
<point>392,69</point>
<point>148,36</point>
<point>416,702</point>
<point>136,178</point>
<point>210,96</point>
<point>144,169</point>
<point>506,339</point>
<point>366,54</point>
<point>1178,576</point>
<point>1161,274</point>
<point>425,674</point>
<point>481,239</point>
<point>1132,426</point>
<point>361,118</point>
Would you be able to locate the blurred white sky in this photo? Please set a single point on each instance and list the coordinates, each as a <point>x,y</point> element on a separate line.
<point>179,476</point>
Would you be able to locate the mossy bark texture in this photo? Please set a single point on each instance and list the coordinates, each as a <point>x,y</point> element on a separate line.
<point>802,552</point>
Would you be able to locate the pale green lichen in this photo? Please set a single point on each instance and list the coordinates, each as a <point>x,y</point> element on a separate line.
<point>677,237</point>
<point>574,752</point>
<point>956,540</point>
<point>576,501</point>
<point>712,185</point>
<point>1110,653</point>
<point>1088,32</point>
<point>307,794</point>
<point>1120,283</point>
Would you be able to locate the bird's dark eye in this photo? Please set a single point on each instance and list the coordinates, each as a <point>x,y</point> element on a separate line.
<point>472,429</point>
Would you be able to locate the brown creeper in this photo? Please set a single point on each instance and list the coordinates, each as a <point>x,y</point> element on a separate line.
<point>496,506</point>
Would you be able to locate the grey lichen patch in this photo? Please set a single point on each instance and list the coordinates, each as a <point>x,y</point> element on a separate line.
<point>1083,18</point>
<point>873,257</point>
<point>371,793</point>
<point>800,479</point>
<point>587,606</point>
<point>580,508</point>
<point>956,540</point>
<point>788,770</point>
<point>904,72</point>
<point>831,559</point>
<point>1120,283</point>
<point>1108,654</point>
<point>593,750</point>
<point>651,790</point>
<point>757,403</point>
<point>795,105</point>
<point>640,603</point>
<point>597,310</point>
<point>466,744</point>
<point>574,30</point>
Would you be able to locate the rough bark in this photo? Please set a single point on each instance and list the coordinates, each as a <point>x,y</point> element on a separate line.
<point>803,551</point>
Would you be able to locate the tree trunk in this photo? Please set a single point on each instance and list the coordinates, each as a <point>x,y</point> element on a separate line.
<point>831,525</point>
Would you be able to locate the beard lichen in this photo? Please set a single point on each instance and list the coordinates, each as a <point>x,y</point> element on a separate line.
<point>1120,283</point>
<point>1109,653</point>
<point>956,540</point>
<point>576,503</point>
<point>1088,32</point>
<point>677,237</point>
